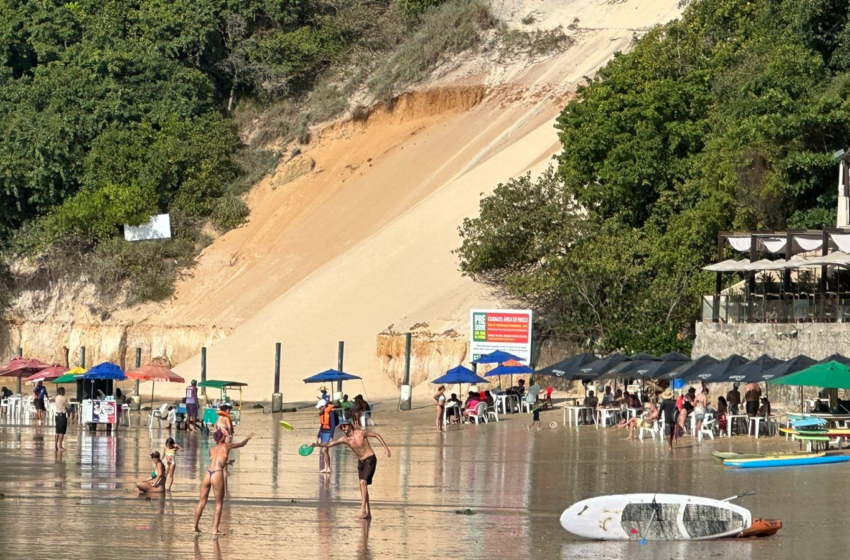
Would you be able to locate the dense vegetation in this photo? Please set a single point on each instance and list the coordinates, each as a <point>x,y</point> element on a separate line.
<point>724,119</point>
<point>111,111</point>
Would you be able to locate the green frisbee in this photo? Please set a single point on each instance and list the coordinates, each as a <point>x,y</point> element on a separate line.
<point>305,450</point>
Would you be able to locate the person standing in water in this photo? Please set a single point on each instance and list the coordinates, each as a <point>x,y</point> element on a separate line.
<point>214,479</point>
<point>40,394</point>
<point>358,441</point>
<point>169,453</point>
<point>61,418</point>
<point>327,424</point>
<point>155,484</point>
<point>192,406</point>
<point>669,412</point>
<point>440,397</point>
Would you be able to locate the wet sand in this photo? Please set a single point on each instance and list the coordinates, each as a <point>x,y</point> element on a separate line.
<point>516,484</point>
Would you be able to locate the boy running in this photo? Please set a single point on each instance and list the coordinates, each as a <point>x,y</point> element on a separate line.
<point>358,441</point>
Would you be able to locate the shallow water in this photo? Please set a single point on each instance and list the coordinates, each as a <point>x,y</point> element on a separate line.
<point>82,503</point>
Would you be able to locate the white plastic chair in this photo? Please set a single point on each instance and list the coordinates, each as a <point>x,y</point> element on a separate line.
<point>479,413</point>
<point>653,429</point>
<point>707,428</point>
<point>158,414</point>
<point>125,414</point>
<point>492,412</point>
<point>366,417</point>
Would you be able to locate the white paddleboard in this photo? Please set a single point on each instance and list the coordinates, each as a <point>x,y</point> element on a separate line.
<point>659,517</point>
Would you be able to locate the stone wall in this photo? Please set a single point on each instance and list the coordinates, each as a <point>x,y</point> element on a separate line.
<point>781,341</point>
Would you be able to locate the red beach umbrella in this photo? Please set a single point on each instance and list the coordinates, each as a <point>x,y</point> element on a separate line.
<point>21,367</point>
<point>155,371</point>
<point>54,371</point>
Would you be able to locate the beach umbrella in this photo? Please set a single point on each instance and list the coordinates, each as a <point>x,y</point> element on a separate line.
<point>572,368</point>
<point>719,371</point>
<point>511,367</point>
<point>605,365</point>
<point>786,368</point>
<point>656,368</point>
<point>626,368</point>
<point>750,372</point>
<point>22,367</point>
<point>105,371</point>
<point>497,357</point>
<point>687,369</point>
<point>54,371</point>
<point>70,376</point>
<point>153,372</point>
<point>836,358</point>
<point>459,375</point>
<point>329,376</point>
<point>831,375</point>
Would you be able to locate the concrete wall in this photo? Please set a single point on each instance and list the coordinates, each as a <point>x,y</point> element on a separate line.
<point>782,341</point>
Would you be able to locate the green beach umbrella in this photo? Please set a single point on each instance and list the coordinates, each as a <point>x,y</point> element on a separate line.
<point>831,375</point>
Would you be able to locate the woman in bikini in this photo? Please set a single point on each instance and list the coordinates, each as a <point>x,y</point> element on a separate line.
<point>169,452</point>
<point>440,397</point>
<point>156,483</point>
<point>214,478</point>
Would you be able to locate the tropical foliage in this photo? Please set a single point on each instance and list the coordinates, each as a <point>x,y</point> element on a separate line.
<point>724,119</point>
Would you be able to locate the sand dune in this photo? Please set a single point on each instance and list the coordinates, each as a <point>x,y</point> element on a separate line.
<point>364,241</point>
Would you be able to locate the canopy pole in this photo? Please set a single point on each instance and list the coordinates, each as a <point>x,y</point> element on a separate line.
<point>153,384</point>
<point>339,360</point>
<point>20,355</point>
<point>138,365</point>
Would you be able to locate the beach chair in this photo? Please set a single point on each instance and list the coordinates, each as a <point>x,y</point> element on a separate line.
<point>707,428</point>
<point>651,430</point>
<point>366,416</point>
<point>479,413</point>
<point>158,414</point>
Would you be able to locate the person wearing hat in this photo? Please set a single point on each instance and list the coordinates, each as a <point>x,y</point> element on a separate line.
<point>327,424</point>
<point>669,413</point>
<point>192,406</point>
<point>324,394</point>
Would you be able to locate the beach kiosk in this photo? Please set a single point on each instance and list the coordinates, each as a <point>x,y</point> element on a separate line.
<point>211,411</point>
<point>98,405</point>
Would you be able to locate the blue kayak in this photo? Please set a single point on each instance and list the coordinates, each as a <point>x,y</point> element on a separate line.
<point>788,462</point>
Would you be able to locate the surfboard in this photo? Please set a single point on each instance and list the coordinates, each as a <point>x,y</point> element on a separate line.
<point>741,456</point>
<point>799,461</point>
<point>780,457</point>
<point>836,433</point>
<point>660,517</point>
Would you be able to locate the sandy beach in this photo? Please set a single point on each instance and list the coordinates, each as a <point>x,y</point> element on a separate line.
<point>515,485</point>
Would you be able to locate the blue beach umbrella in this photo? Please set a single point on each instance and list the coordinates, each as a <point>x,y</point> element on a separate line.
<point>497,357</point>
<point>458,376</point>
<point>329,376</point>
<point>106,371</point>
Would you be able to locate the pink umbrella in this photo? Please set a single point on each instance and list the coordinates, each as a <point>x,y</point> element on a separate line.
<point>54,371</point>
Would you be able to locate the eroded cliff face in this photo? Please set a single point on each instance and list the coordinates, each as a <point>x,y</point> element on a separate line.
<point>431,354</point>
<point>54,321</point>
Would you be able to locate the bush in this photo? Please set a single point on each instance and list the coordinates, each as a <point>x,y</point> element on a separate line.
<point>230,212</point>
<point>447,29</point>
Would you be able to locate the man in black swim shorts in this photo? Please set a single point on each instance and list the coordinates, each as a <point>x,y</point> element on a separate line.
<point>358,441</point>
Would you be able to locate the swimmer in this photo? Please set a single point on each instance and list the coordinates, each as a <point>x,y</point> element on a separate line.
<point>358,441</point>
<point>156,484</point>
<point>214,478</point>
<point>169,452</point>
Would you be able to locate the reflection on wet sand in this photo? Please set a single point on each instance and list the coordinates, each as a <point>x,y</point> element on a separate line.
<point>492,490</point>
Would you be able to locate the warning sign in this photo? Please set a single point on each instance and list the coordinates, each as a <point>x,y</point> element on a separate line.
<point>508,330</point>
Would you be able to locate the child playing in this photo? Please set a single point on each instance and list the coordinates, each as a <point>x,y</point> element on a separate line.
<point>535,419</point>
<point>170,451</point>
